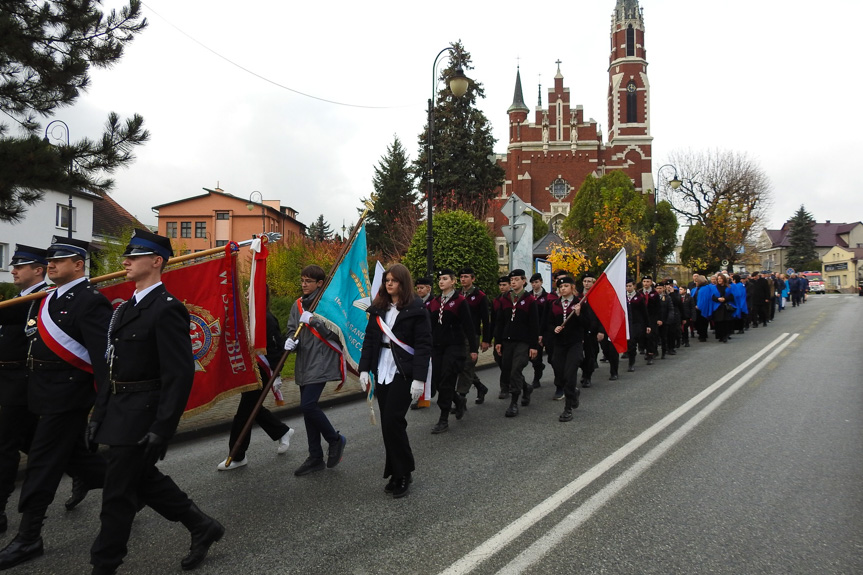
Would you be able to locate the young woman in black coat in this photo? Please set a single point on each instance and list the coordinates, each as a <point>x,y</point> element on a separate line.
<point>722,315</point>
<point>399,368</point>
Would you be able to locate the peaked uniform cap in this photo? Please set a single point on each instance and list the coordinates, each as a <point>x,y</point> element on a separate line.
<point>28,255</point>
<point>66,248</point>
<point>144,243</point>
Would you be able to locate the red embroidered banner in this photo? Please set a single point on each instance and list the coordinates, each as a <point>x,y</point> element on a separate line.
<point>224,364</point>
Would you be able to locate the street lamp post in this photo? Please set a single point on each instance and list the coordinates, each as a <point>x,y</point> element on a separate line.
<point>48,130</point>
<point>674,183</point>
<point>458,85</point>
<point>251,206</point>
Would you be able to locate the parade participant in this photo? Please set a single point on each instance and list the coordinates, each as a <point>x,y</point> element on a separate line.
<point>17,422</point>
<point>516,340</point>
<point>66,357</point>
<point>568,334</point>
<point>272,426</point>
<point>638,330</point>
<point>593,337</point>
<point>670,313</point>
<point>738,290</point>
<point>761,299</point>
<point>725,310</point>
<point>651,303</point>
<point>540,297</point>
<point>396,351</point>
<point>151,369</point>
<point>453,336</point>
<point>424,288</point>
<point>318,361</point>
<point>706,306</point>
<point>496,304</point>
<point>479,312</point>
<point>546,330</point>
<point>795,287</point>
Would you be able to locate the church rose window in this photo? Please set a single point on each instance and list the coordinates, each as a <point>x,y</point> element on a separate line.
<point>559,189</point>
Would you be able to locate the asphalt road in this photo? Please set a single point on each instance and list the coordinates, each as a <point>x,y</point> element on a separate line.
<point>730,458</point>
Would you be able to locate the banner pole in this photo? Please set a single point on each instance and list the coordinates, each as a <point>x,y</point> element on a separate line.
<point>278,369</point>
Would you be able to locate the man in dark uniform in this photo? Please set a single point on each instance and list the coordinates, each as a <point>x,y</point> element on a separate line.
<point>652,304</point>
<point>66,355</point>
<point>479,313</point>
<point>151,371</point>
<point>453,337</point>
<point>516,340</point>
<point>594,336</point>
<point>568,334</point>
<point>540,297</point>
<point>638,330</point>
<point>17,422</point>
<point>496,303</point>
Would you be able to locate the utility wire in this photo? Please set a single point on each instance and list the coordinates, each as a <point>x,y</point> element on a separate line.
<point>264,78</point>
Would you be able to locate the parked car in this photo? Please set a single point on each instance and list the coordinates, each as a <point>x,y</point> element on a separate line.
<point>816,282</point>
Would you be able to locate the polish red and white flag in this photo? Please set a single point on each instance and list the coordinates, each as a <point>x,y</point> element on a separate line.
<point>607,299</point>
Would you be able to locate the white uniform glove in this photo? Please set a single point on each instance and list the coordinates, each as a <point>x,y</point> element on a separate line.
<point>417,389</point>
<point>277,384</point>
<point>306,317</point>
<point>291,344</point>
<point>364,380</point>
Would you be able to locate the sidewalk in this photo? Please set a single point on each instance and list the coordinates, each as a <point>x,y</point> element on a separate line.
<point>218,419</point>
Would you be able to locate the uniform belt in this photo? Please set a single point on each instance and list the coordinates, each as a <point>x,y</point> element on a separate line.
<point>21,364</point>
<point>135,386</point>
<point>47,365</point>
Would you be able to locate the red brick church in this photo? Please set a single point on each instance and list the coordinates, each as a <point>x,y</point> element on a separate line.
<point>550,154</point>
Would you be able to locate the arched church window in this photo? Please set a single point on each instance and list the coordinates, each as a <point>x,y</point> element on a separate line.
<point>559,189</point>
<point>631,103</point>
<point>630,41</point>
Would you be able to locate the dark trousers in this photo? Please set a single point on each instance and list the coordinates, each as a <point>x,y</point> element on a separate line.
<point>591,350</point>
<point>610,352</point>
<point>795,298</point>
<point>447,362</point>
<point>701,326</point>
<point>394,399</point>
<point>538,365</point>
<point>132,480</point>
<point>467,377</point>
<point>58,446</point>
<point>723,329</point>
<point>763,312</point>
<point>317,424</point>
<point>17,426</point>
<point>515,357</point>
<point>265,420</point>
<point>567,359</point>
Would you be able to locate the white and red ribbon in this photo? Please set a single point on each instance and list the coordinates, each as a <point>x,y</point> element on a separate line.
<point>60,342</point>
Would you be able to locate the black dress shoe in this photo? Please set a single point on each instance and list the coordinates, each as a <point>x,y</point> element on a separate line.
<point>460,405</point>
<point>440,427</point>
<point>512,410</point>
<point>390,487</point>
<point>536,384</point>
<point>586,383</point>
<point>202,539</point>
<point>565,416</point>
<point>401,487</point>
<point>613,377</point>
<point>631,369</point>
<point>481,390</point>
<point>79,492</point>
<point>19,551</point>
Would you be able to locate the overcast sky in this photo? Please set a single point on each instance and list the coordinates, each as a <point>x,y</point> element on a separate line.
<point>777,80</point>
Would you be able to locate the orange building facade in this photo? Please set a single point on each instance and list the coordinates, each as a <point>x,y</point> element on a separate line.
<point>216,217</point>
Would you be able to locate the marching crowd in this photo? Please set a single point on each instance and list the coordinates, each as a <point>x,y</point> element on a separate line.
<point>417,347</point>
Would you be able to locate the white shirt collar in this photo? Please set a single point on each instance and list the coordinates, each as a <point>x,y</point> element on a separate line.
<point>66,287</point>
<point>139,295</point>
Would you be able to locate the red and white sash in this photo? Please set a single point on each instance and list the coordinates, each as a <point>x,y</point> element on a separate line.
<point>336,348</point>
<point>60,342</point>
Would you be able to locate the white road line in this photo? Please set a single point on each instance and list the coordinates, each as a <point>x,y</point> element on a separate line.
<point>503,537</point>
<point>575,519</point>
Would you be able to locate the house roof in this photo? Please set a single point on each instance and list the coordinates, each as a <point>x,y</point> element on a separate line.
<point>543,245</point>
<point>110,218</point>
<point>826,234</point>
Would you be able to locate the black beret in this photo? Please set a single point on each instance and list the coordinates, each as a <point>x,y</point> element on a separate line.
<point>426,281</point>
<point>535,277</point>
<point>517,273</point>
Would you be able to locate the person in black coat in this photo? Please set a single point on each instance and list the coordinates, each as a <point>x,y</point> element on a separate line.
<point>568,329</point>
<point>136,414</point>
<point>272,426</point>
<point>453,337</point>
<point>66,359</point>
<point>516,340</point>
<point>638,330</point>
<point>479,311</point>
<point>723,315</point>
<point>17,422</point>
<point>400,368</point>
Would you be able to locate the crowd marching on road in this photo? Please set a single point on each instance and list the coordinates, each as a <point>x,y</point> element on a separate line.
<point>417,346</point>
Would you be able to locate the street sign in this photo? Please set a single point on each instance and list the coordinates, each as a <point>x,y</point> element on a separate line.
<point>790,271</point>
<point>512,208</point>
<point>507,232</point>
<point>725,263</point>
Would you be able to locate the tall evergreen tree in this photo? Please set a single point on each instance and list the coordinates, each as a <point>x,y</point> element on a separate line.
<point>390,225</point>
<point>465,176</point>
<point>801,236</point>
<point>320,230</point>
<point>46,52</point>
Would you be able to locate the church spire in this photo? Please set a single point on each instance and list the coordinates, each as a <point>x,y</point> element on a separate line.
<point>518,97</point>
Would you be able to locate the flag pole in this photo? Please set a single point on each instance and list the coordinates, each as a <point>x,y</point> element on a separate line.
<point>277,370</point>
<point>122,273</point>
